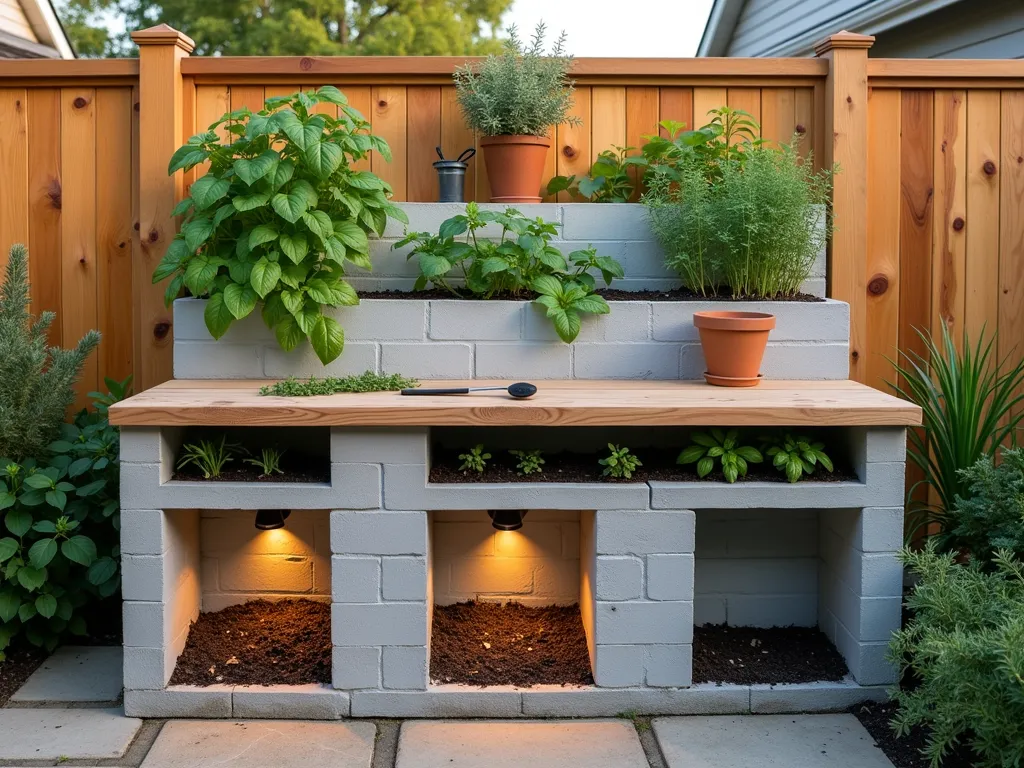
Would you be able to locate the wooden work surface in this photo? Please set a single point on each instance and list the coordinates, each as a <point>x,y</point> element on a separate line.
<point>557,403</point>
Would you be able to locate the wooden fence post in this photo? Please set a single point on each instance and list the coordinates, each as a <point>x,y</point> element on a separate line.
<point>161,50</point>
<point>846,143</point>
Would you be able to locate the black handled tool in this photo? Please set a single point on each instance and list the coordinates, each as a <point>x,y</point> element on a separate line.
<point>520,390</point>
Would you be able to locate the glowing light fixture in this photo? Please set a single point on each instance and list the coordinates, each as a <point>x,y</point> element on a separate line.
<point>271,519</point>
<point>507,519</point>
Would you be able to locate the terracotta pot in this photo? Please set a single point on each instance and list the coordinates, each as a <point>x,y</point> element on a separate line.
<point>515,167</point>
<point>733,344</point>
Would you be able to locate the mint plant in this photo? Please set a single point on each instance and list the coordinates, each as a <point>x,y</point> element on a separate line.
<point>529,462</point>
<point>475,459</point>
<point>521,262</point>
<point>619,463</point>
<point>608,180</point>
<point>796,455</point>
<point>268,462</point>
<point>208,457</point>
<point>723,447</point>
<point>278,216</point>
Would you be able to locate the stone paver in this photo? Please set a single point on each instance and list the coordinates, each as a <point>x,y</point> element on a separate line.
<point>50,734</point>
<point>75,673</point>
<point>514,744</point>
<point>262,744</point>
<point>763,741</point>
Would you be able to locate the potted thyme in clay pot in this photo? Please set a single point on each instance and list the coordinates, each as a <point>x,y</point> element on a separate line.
<point>512,101</point>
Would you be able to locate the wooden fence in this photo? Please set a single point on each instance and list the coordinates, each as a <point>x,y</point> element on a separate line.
<point>928,204</point>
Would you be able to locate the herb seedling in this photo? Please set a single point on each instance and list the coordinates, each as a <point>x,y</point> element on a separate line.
<point>475,459</point>
<point>368,381</point>
<point>269,462</point>
<point>209,457</point>
<point>620,463</point>
<point>724,447</point>
<point>529,462</point>
<point>796,455</point>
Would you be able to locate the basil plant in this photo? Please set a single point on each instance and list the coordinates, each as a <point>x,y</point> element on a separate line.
<point>277,216</point>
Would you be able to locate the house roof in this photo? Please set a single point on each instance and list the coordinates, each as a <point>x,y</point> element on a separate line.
<point>868,18</point>
<point>51,39</point>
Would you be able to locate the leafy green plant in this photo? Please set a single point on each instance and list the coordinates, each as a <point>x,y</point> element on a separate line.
<point>723,446</point>
<point>36,380</point>
<point>965,644</point>
<point>530,462</point>
<point>619,463</point>
<point>523,91</point>
<point>268,462</point>
<point>991,516</point>
<point>796,455</point>
<point>59,544</point>
<point>608,180</point>
<point>521,261</point>
<point>368,381</point>
<point>277,217</point>
<point>970,403</point>
<point>475,459</point>
<point>207,456</point>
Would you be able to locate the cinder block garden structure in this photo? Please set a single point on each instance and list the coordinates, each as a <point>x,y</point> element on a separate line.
<point>645,561</point>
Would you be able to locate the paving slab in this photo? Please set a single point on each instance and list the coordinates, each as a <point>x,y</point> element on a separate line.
<point>75,673</point>
<point>75,734</point>
<point>505,744</point>
<point>262,744</point>
<point>766,741</point>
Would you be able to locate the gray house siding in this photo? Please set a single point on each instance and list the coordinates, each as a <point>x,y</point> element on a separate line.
<point>976,30</point>
<point>765,24</point>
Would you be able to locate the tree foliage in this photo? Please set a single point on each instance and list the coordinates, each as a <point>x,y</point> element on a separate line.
<point>294,27</point>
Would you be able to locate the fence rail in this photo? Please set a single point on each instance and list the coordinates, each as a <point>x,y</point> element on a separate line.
<point>928,204</point>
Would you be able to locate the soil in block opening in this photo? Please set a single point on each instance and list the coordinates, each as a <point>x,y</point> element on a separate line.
<point>492,644</point>
<point>287,642</point>
<point>751,655</point>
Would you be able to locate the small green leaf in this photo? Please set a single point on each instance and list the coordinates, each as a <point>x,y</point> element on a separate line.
<point>731,472</point>
<point>352,235</point>
<point>704,466</point>
<point>690,454</point>
<point>367,180</point>
<point>39,480</point>
<point>101,570</point>
<point>31,578</point>
<point>200,273</point>
<point>217,315</point>
<point>255,169</point>
<point>595,305</point>
<point>291,206</point>
<point>324,157</point>
<point>46,605</point>
<point>327,338</point>
<point>8,548</point>
<point>319,224</point>
<point>56,499</point>
<point>27,612</point>
<point>794,468</point>
<point>264,233</point>
<point>18,522</point>
<point>196,232</point>
<point>295,247</point>
<point>9,604</point>
<point>265,276</point>
<point>240,299</point>
<point>567,324</point>
<point>250,202</point>
<point>331,95</point>
<point>548,285</point>
<point>207,190</point>
<point>282,174</point>
<point>171,262</point>
<point>453,227</point>
<point>79,549</point>
<point>288,333</point>
<point>432,265</point>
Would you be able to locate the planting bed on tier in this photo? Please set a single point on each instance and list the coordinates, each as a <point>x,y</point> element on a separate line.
<point>512,644</point>
<point>294,469</point>
<point>769,656</point>
<point>287,642</point>
<point>905,752</point>
<point>16,669</point>
<point>609,294</point>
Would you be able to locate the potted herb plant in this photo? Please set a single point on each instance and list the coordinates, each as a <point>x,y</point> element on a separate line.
<point>512,100</point>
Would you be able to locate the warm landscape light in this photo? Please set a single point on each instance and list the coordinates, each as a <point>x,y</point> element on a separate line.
<point>271,519</point>
<point>507,519</point>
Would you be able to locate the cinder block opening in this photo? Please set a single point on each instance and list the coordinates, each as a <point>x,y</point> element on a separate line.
<point>768,585</point>
<point>264,601</point>
<point>253,454</point>
<point>511,606</point>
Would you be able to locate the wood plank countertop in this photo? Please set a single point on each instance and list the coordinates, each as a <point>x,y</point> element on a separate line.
<point>557,403</point>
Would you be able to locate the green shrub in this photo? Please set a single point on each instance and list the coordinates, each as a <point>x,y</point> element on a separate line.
<point>991,518</point>
<point>475,459</point>
<point>619,463</point>
<point>796,455</point>
<point>277,216</point>
<point>36,381</point>
<point>608,180</point>
<point>721,446</point>
<point>971,405</point>
<point>965,642</point>
<point>60,547</point>
<point>521,92</point>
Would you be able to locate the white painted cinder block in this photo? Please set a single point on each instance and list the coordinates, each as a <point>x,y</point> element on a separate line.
<point>379,624</point>
<point>378,533</point>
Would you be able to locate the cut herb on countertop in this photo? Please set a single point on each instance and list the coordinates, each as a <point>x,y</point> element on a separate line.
<point>368,381</point>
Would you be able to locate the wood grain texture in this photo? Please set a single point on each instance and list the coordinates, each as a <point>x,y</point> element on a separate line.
<point>14,227</point>
<point>557,403</point>
<point>456,137</point>
<point>981,294</point>
<point>808,122</point>
<point>778,115</point>
<point>424,135</point>
<point>1011,227</point>
<point>747,100</point>
<point>608,115</point>
<point>642,115</point>
<point>44,203</point>
<point>949,240</point>
<point>251,96</point>
<point>706,99</point>
<point>883,237</point>
<point>573,141</point>
<point>676,104</point>
<point>389,110</point>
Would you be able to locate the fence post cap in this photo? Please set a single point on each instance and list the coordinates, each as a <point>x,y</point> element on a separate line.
<point>163,34</point>
<point>843,39</point>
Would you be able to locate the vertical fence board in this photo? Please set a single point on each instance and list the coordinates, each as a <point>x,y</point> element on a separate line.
<point>250,96</point>
<point>359,98</point>
<point>981,287</point>
<point>704,100</point>
<point>883,236</point>
<point>456,137</point>
<point>114,231</point>
<point>608,115</point>
<point>1011,227</point>
<point>44,202</point>
<point>14,163</point>
<point>136,161</point>
<point>746,99</point>
<point>778,115</point>
<point>212,101</point>
<point>424,126</point>
<point>189,126</point>
<point>78,233</point>
<point>573,142</point>
<point>389,122</point>
<point>642,105</point>
<point>676,104</point>
<point>807,125</point>
<point>949,241</point>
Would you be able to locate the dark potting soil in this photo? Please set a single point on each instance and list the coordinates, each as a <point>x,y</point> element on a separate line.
<point>294,469</point>
<point>658,464</point>
<point>905,752</point>
<point>609,294</point>
<point>20,663</point>
<point>749,655</point>
<point>512,644</point>
<point>258,643</point>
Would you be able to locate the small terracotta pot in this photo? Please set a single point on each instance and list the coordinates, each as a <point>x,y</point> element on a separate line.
<point>733,344</point>
<point>515,167</point>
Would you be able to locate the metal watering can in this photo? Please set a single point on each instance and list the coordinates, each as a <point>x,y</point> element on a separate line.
<point>451,176</point>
